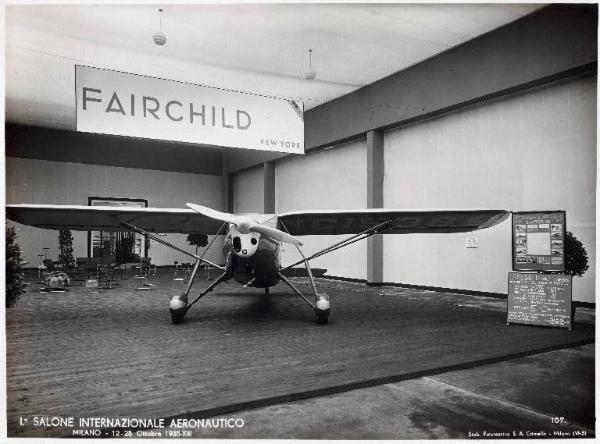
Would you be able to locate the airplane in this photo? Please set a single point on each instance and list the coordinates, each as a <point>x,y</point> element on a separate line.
<point>252,241</point>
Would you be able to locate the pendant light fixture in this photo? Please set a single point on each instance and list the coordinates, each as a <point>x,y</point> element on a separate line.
<point>160,38</point>
<point>310,75</point>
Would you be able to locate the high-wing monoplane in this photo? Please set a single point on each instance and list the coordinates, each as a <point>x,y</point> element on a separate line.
<point>252,241</point>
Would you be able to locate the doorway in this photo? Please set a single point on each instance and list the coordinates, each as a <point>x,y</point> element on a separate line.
<point>117,246</point>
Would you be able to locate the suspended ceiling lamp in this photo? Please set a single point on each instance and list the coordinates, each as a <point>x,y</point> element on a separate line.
<point>160,38</point>
<point>310,75</point>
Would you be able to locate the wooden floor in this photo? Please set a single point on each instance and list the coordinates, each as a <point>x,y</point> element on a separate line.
<point>117,354</point>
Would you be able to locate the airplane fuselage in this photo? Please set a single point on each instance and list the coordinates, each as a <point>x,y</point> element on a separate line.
<point>256,268</point>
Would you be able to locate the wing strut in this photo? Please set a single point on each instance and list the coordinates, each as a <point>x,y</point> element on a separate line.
<point>286,280</point>
<point>168,244</point>
<point>178,305</point>
<point>321,305</point>
<point>308,270</point>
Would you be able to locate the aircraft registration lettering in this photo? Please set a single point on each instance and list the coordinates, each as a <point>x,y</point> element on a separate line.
<point>440,222</point>
<point>324,224</point>
<point>475,219</point>
<point>407,222</point>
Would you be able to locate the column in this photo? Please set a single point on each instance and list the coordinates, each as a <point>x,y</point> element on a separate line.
<point>269,187</point>
<point>375,170</point>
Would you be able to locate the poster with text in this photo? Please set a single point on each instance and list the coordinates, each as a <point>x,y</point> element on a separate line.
<point>538,241</point>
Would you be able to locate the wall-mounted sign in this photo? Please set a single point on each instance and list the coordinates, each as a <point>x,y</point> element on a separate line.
<point>471,242</point>
<point>540,299</point>
<point>538,240</point>
<point>112,102</point>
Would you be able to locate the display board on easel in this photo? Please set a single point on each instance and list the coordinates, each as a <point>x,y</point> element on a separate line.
<point>540,299</point>
<point>538,240</point>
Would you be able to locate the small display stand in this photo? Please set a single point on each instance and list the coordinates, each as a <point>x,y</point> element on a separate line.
<point>142,275</point>
<point>142,280</point>
<point>92,286</point>
<point>182,272</point>
<point>41,267</point>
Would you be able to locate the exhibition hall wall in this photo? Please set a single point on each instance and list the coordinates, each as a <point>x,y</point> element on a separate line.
<point>533,150</point>
<point>248,191</point>
<point>530,151</point>
<point>330,179</point>
<point>42,182</point>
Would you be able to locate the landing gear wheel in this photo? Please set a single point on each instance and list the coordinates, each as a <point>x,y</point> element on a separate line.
<point>322,308</point>
<point>266,291</point>
<point>178,308</point>
<point>322,316</point>
<point>178,315</point>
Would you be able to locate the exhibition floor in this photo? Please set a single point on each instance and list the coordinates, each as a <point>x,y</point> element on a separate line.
<point>116,354</point>
<point>520,395</point>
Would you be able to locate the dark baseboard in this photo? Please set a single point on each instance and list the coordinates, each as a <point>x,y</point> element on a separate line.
<point>488,294</point>
<point>345,279</point>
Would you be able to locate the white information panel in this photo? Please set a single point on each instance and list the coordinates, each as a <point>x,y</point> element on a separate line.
<point>112,102</point>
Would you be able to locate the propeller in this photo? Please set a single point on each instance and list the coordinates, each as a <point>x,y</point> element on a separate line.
<point>245,224</point>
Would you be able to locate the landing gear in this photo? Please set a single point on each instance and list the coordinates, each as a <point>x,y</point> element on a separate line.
<point>322,308</point>
<point>322,317</point>
<point>321,305</point>
<point>178,305</point>
<point>267,291</point>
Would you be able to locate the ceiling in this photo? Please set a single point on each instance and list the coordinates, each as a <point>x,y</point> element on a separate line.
<point>257,48</point>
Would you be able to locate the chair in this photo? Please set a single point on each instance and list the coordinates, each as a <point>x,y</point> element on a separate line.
<point>141,276</point>
<point>207,269</point>
<point>107,271</point>
<point>50,265</point>
<point>81,269</point>
<point>88,266</point>
<point>106,277</point>
<point>77,274</point>
<point>176,272</point>
<point>150,267</point>
<point>187,271</point>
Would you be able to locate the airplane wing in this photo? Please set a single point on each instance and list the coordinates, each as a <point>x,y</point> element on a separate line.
<point>101,218</point>
<point>301,223</point>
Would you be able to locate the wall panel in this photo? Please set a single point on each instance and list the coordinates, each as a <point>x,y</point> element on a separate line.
<point>328,179</point>
<point>51,182</point>
<point>248,191</point>
<point>533,151</point>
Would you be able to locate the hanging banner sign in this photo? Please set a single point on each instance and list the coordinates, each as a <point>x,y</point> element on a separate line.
<point>122,104</point>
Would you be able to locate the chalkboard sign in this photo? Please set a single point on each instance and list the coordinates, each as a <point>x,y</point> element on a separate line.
<point>539,299</point>
<point>538,240</point>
